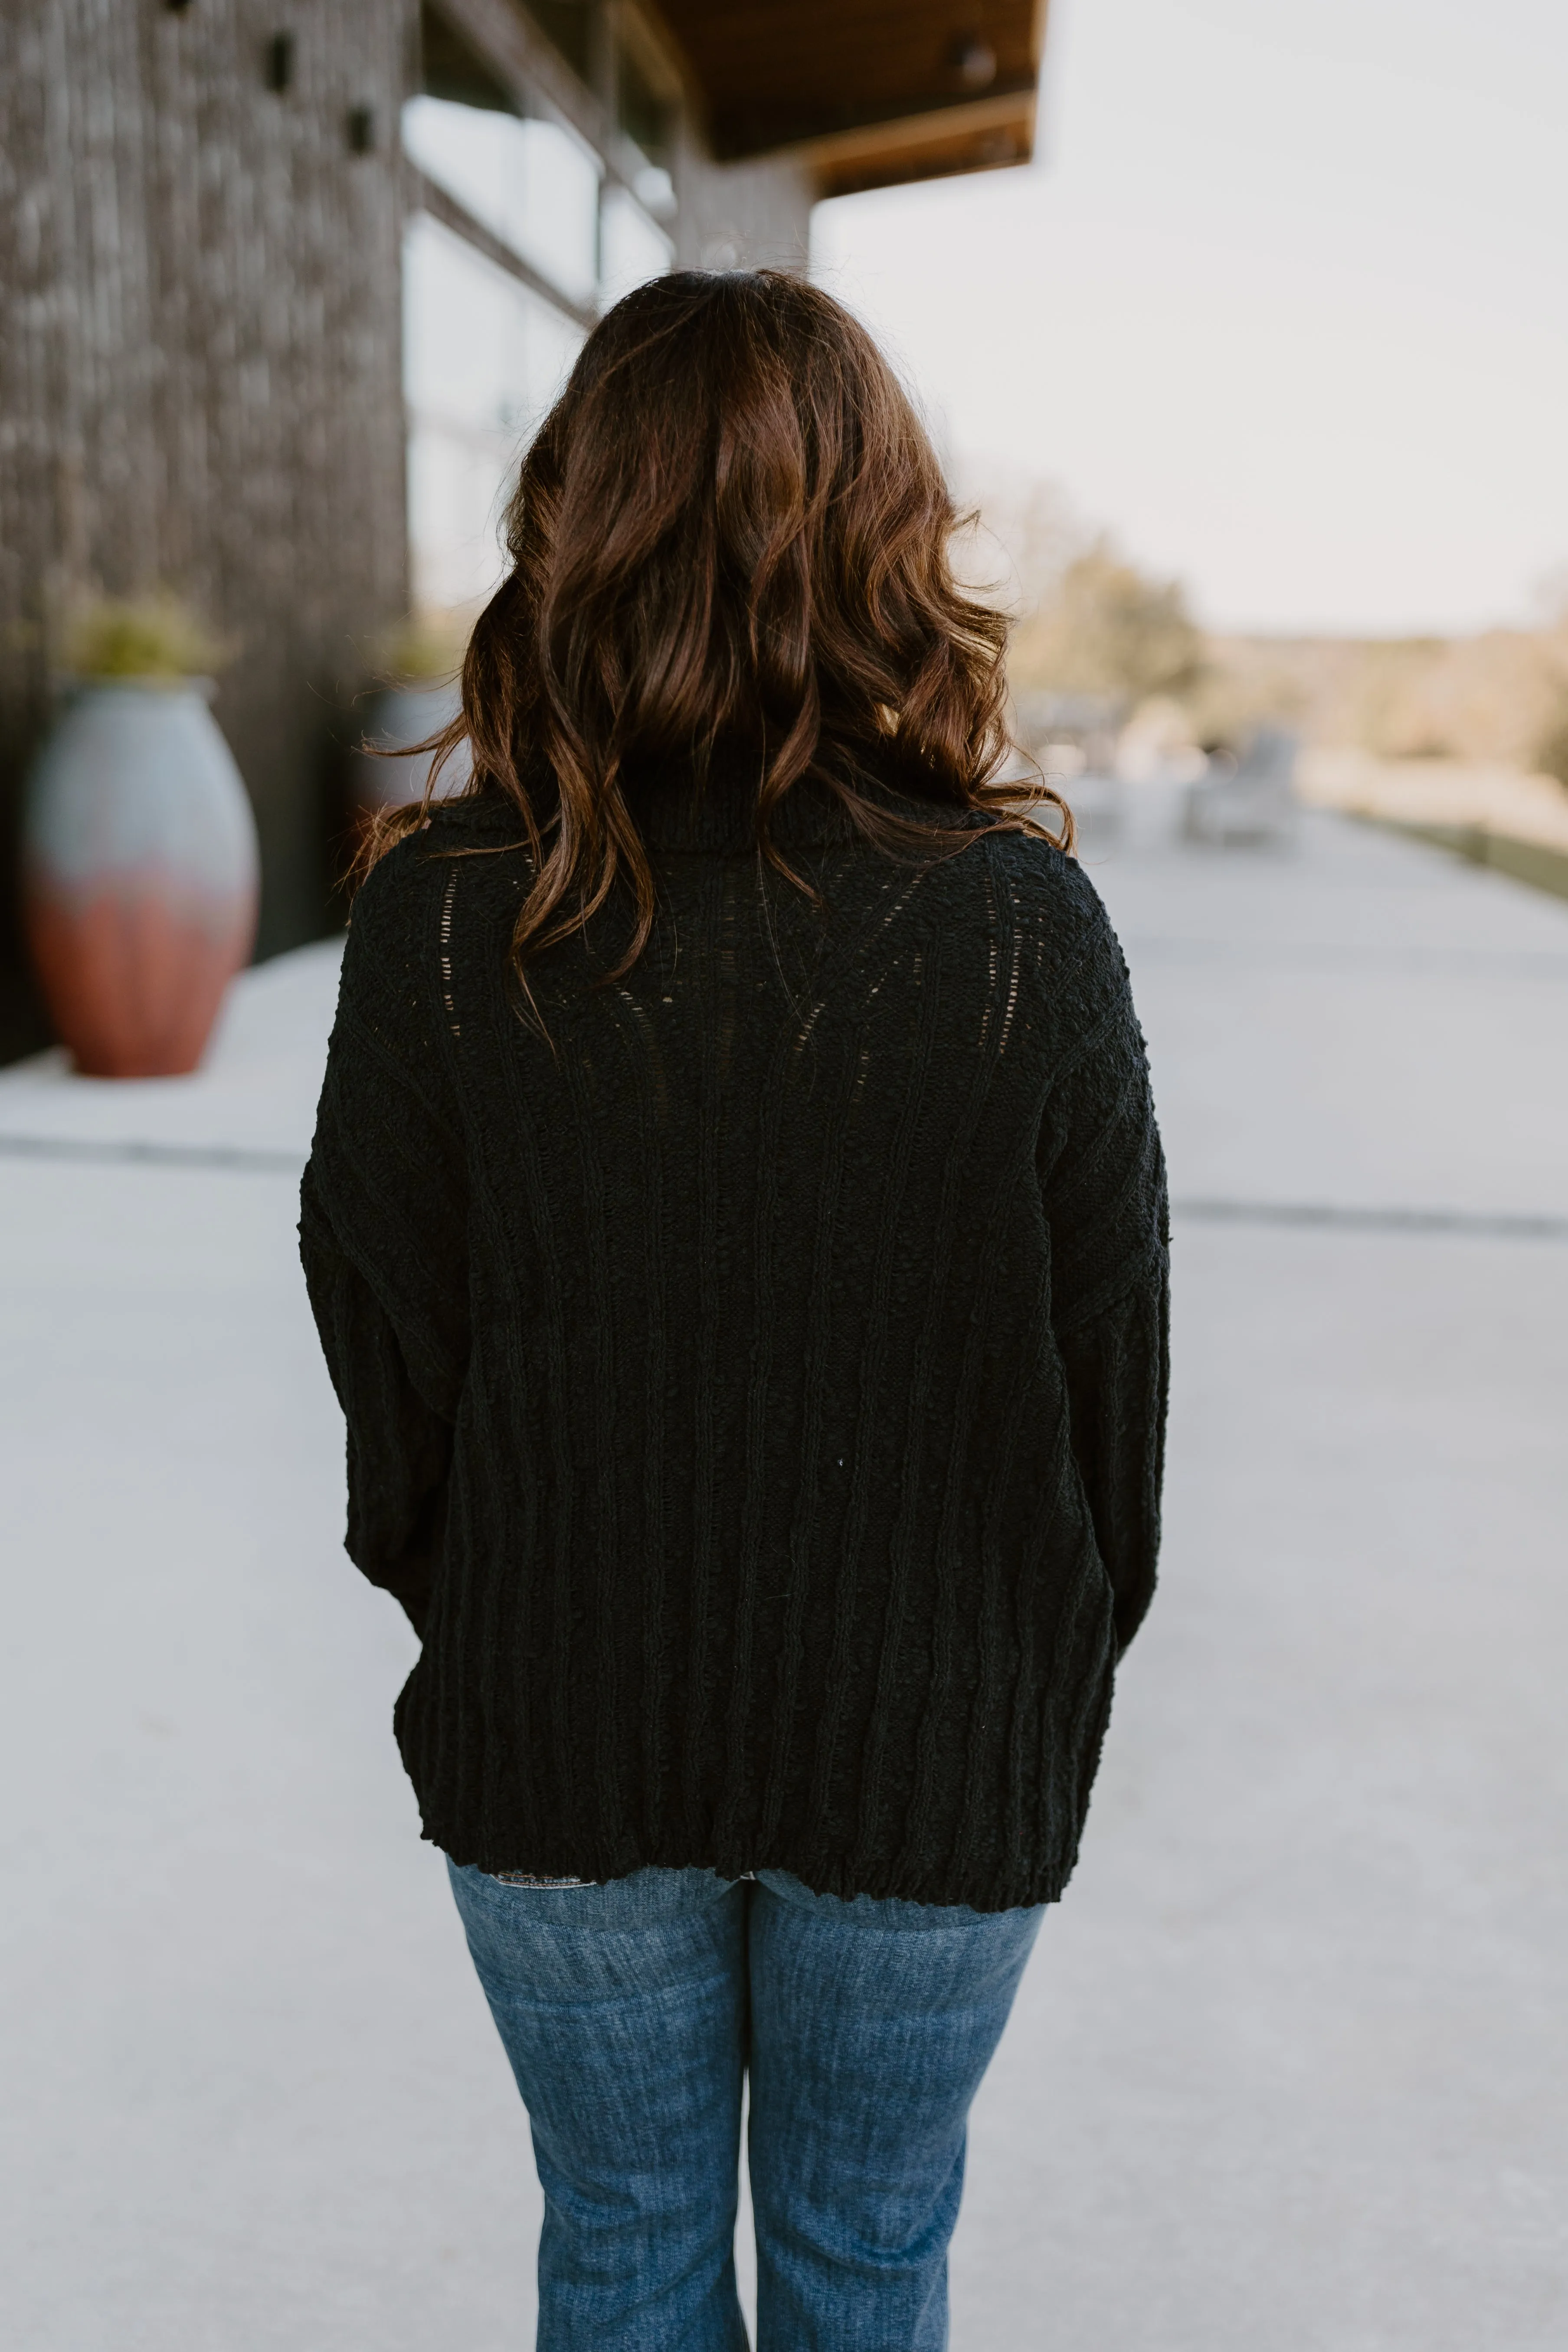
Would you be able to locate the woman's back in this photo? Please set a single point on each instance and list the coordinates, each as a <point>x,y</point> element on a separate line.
<point>736,1226</point>
<point>757,1282</point>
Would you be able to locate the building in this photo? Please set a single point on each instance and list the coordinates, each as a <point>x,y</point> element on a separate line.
<point>284,284</point>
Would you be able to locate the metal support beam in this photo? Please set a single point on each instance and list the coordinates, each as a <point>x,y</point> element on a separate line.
<point>422,194</point>
<point>542,82</point>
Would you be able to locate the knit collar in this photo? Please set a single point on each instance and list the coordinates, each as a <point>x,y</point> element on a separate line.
<point>673,813</point>
<point>718,817</point>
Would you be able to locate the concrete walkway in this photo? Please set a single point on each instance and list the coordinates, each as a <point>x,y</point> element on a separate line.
<point>1288,2073</point>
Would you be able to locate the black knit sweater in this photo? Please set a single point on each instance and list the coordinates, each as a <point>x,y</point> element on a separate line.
<point>755,1386</point>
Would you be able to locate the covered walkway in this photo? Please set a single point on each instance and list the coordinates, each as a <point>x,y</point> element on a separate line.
<point>1287,2072</point>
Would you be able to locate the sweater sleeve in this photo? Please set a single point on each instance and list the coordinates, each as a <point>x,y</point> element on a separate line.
<point>1102,1178</point>
<point>1118,1371</point>
<point>381,1227</point>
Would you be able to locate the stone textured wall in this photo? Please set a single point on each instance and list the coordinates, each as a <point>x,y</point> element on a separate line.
<point>200,366</point>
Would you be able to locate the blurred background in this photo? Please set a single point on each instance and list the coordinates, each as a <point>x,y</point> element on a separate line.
<point>1240,328</point>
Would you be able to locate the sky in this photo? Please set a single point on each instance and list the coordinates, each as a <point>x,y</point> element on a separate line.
<point>1282,302</point>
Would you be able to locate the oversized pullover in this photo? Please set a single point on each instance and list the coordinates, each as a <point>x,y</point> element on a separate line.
<point>754,1366</point>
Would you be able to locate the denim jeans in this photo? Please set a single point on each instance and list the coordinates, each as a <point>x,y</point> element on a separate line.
<point>631,2012</point>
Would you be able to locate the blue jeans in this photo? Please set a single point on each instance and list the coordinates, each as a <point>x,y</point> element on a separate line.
<point>630,2013</point>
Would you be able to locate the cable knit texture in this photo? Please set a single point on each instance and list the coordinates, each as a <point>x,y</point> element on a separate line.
<point>755,1383</point>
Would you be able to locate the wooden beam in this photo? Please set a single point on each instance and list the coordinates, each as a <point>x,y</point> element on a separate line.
<point>778,75</point>
<point>1008,110</point>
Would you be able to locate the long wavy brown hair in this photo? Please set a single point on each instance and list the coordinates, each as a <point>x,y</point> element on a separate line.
<point>730,534</point>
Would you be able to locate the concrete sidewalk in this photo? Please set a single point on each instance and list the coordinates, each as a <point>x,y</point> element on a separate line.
<point>1287,2074</point>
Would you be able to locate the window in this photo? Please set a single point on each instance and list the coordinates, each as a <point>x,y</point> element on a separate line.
<point>631,249</point>
<point>646,113</point>
<point>531,184</point>
<point>570,25</point>
<point>483,359</point>
<point>484,353</point>
<point>452,71</point>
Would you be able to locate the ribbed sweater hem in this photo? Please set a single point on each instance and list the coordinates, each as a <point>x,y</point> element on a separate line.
<point>819,1867</point>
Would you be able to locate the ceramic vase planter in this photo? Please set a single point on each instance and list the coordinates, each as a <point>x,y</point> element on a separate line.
<point>141,875</point>
<point>407,714</point>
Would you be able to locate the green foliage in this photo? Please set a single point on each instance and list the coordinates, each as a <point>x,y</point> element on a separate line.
<point>1107,628</point>
<point>1231,700</point>
<point>154,636</point>
<point>1499,696</point>
<point>424,648</point>
<point>1552,746</point>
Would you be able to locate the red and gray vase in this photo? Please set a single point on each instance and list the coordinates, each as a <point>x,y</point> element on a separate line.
<point>386,776</point>
<point>140,874</point>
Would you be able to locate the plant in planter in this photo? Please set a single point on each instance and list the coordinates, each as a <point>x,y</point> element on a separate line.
<point>420,693</point>
<point>140,853</point>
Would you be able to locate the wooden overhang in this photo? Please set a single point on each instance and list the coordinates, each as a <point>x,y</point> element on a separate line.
<point>868,93</point>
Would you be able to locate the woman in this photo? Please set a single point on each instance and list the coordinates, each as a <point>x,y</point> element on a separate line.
<point>736,1229</point>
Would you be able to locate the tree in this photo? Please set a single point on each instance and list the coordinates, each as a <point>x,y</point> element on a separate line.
<point>1107,628</point>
